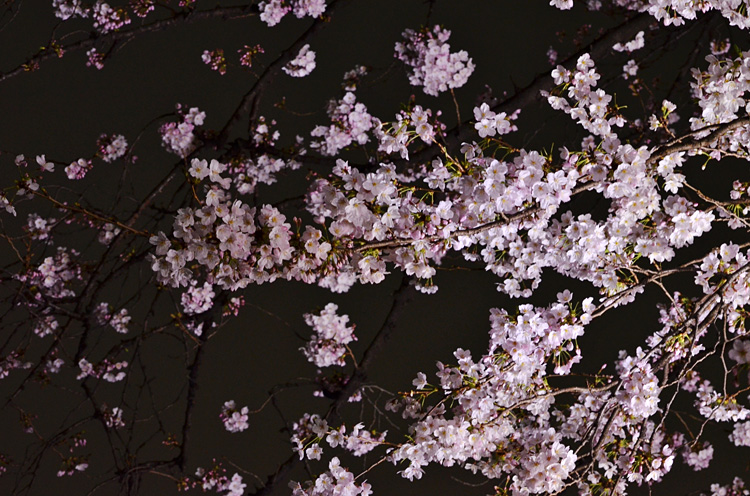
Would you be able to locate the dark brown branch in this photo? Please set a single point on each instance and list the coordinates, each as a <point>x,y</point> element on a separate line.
<point>686,142</point>
<point>523,214</point>
<point>123,36</point>
<point>250,100</point>
<point>543,82</point>
<point>401,299</point>
<point>206,319</point>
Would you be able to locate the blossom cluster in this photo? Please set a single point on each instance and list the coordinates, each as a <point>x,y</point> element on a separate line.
<point>108,19</point>
<point>45,326</point>
<point>721,93</point>
<point>261,246</point>
<point>740,435</point>
<point>630,69</point>
<point>113,418</point>
<point>247,53</point>
<point>78,169</point>
<point>487,391</point>
<point>699,456</point>
<point>118,320</point>
<point>740,352</point>
<point>197,299</point>
<point>476,191</point>
<point>591,108</point>
<point>53,365</point>
<point>216,60</point>
<point>736,488</point>
<point>71,465</point>
<point>631,46</point>
<point>432,64</point>
<point>258,166</point>
<point>107,233</point>
<point>489,123</point>
<point>12,361</point>
<point>506,425</point>
<point>410,124</point>
<point>720,263</point>
<point>54,277</point>
<point>639,391</point>
<point>302,64</point>
<point>234,420</point>
<point>179,137</point>
<point>335,481</point>
<point>105,17</point>
<point>141,8</point>
<point>328,345</point>
<point>39,228</point>
<point>215,479</point>
<point>350,120</point>
<point>714,405</point>
<point>95,59</point>
<point>310,430</point>
<point>272,11</point>
<point>110,148</point>
<point>675,12</point>
<point>109,371</point>
<point>66,9</point>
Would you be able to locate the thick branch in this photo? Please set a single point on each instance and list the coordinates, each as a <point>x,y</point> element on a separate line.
<point>523,214</point>
<point>687,143</point>
<point>206,320</point>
